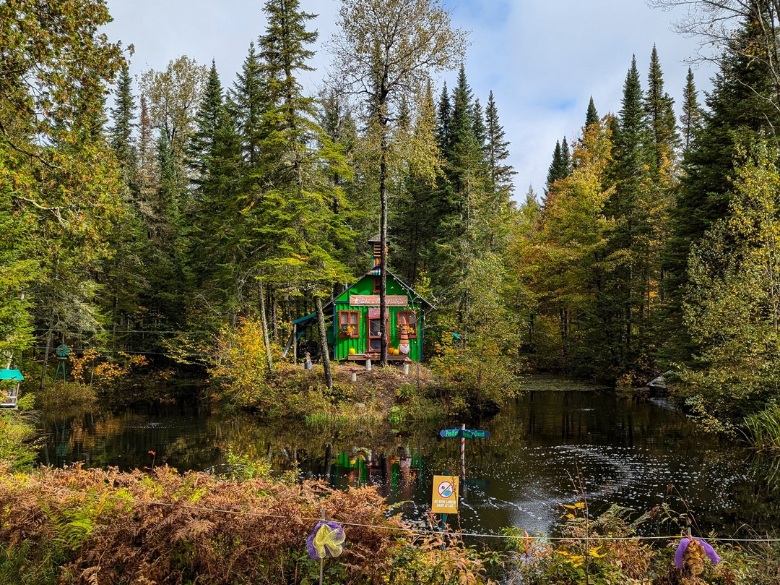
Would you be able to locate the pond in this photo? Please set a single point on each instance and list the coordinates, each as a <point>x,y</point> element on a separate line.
<point>638,454</point>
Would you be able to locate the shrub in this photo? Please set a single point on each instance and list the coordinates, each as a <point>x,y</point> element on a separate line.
<point>108,527</point>
<point>763,428</point>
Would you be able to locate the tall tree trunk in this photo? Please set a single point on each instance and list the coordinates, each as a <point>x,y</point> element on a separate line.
<point>49,338</point>
<point>383,244</point>
<point>264,322</point>
<point>275,317</point>
<point>323,343</point>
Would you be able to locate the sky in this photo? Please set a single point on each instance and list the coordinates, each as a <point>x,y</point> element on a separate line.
<point>543,59</point>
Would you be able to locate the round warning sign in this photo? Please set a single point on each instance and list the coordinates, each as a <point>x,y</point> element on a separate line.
<point>446,489</point>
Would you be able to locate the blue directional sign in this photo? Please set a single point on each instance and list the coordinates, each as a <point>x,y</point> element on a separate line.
<point>464,433</point>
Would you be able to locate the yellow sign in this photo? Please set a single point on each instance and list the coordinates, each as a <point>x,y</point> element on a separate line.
<point>445,494</point>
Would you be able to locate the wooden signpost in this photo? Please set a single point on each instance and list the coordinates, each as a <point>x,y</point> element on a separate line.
<point>464,434</point>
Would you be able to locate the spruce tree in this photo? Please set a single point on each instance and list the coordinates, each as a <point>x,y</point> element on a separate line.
<point>478,128</point>
<point>497,149</point>
<point>565,158</point>
<point>560,167</point>
<point>592,116</point>
<point>249,100</point>
<point>462,120</point>
<point>122,116</point>
<point>659,109</point>
<point>209,116</point>
<point>625,288</point>
<point>444,117</point>
<point>294,220</point>
<point>554,172</point>
<point>740,109</point>
<point>692,114</point>
<point>415,222</point>
<point>123,272</point>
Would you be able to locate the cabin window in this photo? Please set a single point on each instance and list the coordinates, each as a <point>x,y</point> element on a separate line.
<point>408,318</point>
<point>349,324</point>
<point>377,284</point>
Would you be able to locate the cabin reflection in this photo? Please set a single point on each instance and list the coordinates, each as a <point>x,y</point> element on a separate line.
<point>397,471</point>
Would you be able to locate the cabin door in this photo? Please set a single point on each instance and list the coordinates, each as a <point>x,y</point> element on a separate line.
<point>374,330</point>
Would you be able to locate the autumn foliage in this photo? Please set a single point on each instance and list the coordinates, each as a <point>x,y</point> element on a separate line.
<point>116,534</point>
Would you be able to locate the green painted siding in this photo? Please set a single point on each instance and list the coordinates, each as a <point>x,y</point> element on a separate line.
<point>365,286</point>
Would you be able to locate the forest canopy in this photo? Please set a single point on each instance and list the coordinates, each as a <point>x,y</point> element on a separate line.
<point>151,216</point>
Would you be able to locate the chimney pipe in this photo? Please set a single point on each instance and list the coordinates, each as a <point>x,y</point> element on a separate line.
<point>376,245</point>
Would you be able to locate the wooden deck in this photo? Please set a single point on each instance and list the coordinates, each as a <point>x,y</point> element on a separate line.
<point>363,357</point>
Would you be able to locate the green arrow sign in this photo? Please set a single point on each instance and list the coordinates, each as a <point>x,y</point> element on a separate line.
<point>465,433</point>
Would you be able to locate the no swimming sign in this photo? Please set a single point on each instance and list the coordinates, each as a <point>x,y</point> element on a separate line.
<point>445,494</point>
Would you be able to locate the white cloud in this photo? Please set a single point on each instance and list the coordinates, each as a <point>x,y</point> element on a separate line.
<point>543,59</point>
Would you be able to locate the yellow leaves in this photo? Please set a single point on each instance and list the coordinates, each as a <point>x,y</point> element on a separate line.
<point>594,552</point>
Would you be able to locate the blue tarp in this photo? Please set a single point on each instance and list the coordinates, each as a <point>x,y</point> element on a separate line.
<point>11,375</point>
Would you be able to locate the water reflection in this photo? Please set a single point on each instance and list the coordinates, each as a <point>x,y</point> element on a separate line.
<point>627,452</point>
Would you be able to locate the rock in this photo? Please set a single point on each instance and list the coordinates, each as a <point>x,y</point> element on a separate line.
<point>658,384</point>
<point>360,405</point>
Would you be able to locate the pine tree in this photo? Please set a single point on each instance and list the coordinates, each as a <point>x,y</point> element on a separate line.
<point>659,109</point>
<point>215,156</point>
<point>207,121</point>
<point>565,158</point>
<point>147,169</point>
<point>739,108</point>
<point>295,218</point>
<point>631,129</point>
<point>478,128</point>
<point>462,120</point>
<point>592,116</point>
<point>555,171</point>
<point>122,116</point>
<point>560,167</point>
<point>497,150</point>
<point>622,304</point>
<point>732,307</point>
<point>415,221</point>
<point>249,99</point>
<point>692,115</point>
<point>444,118</point>
<point>123,272</point>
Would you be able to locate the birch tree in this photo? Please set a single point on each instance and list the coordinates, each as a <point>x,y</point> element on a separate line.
<point>385,52</point>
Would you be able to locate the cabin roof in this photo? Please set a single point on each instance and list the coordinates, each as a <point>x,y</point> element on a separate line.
<point>6,374</point>
<point>373,272</point>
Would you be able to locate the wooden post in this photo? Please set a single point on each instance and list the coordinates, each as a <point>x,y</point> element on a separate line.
<point>268,358</point>
<point>48,350</point>
<point>463,451</point>
<point>295,343</point>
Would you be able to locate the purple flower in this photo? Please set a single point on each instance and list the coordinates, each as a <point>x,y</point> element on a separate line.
<point>708,550</point>
<point>326,541</point>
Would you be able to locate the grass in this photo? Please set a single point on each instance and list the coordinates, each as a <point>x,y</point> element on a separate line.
<point>763,428</point>
<point>66,394</point>
<point>542,383</point>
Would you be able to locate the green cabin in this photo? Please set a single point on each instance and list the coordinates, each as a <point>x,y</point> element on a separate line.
<point>354,333</point>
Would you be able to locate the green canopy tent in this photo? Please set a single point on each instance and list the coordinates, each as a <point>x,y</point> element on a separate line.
<point>11,396</point>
